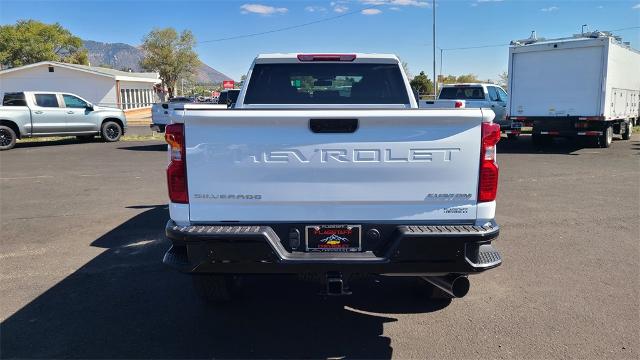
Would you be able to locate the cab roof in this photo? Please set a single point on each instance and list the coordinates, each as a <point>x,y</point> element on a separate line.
<point>467,84</point>
<point>352,57</point>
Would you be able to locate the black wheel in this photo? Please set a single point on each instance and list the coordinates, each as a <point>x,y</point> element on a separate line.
<point>216,289</point>
<point>111,131</point>
<point>628,129</point>
<point>85,138</point>
<point>605,140</point>
<point>7,138</point>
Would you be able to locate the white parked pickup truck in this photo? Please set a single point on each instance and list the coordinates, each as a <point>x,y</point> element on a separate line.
<point>327,166</point>
<point>475,95</point>
<point>160,112</point>
<point>40,113</point>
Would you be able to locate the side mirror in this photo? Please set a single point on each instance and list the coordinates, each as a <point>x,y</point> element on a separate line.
<point>89,106</point>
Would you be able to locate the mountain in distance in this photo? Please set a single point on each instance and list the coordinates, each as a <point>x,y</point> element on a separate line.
<point>124,56</point>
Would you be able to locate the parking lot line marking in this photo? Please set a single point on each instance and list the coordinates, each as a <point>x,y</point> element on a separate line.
<point>27,177</point>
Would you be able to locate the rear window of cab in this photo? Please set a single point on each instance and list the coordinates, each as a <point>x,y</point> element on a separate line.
<point>326,83</point>
<point>462,93</point>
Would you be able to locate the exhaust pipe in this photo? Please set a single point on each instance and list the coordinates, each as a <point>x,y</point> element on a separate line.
<point>454,285</point>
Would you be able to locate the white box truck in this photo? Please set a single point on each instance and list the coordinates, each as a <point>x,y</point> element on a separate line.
<point>584,86</point>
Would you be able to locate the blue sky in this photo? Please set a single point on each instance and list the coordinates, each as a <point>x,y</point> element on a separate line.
<point>402,27</point>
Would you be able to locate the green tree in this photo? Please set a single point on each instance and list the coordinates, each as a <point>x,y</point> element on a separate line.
<point>465,78</point>
<point>171,55</point>
<point>239,85</point>
<point>422,84</point>
<point>504,80</point>
<point>202,89</point>
<point>468,78</point>
<point>31,41</point>
<point>405,66</point>
<point>448,79</point>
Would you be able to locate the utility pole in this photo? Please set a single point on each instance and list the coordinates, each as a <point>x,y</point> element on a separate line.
<point>435,83</point>
<point>440,72</point>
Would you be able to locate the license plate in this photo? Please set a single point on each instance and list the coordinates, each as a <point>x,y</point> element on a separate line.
<point>333,238</point>
<point>516,125</point>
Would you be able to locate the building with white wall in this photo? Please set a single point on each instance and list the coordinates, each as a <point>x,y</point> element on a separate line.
<point>101,86</point>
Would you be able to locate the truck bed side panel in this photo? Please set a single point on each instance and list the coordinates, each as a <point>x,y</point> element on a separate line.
<point>20,115</point>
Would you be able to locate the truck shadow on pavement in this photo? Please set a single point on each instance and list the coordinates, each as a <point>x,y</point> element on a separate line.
<point>151,147</point>
<point>125,304</point>
<point>56,142</point>
<point>523,145</point>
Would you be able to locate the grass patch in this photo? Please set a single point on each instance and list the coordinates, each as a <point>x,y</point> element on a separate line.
<point>636,129</point>
<point>154,136</point>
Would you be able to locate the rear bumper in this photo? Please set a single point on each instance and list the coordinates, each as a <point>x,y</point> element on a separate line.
<point>565,126</point>
<point>400,249</point>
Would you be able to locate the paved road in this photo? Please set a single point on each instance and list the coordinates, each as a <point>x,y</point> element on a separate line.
<point>80,271</point>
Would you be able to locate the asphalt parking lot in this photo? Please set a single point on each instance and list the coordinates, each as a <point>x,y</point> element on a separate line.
<point>81,274</point>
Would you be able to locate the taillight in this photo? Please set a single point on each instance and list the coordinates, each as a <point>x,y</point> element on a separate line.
<point>177,169</point>
<point>488,183</point>
<point>458,104</point>
<point>326,57</point>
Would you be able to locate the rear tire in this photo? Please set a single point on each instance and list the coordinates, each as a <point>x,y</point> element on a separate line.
<point>111,131</point>
<point>7,138</point>
<point>605,140</point>
<point>628,129</point>
<point>216,289</point>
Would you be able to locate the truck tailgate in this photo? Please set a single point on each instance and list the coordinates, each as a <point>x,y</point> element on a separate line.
<point>268,165</point>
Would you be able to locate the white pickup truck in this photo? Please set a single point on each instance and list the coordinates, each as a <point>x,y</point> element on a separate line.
<point>160,112</point>
<point>327,166</point>
<point>27,114</point>
<point>475,95</point>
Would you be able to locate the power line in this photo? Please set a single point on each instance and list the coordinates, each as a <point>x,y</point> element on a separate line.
<point>627,28</point>
<point>286,28</point>
<point>500,45</point>
<point>474,47</point>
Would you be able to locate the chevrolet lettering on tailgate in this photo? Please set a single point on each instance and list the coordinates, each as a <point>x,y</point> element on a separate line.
<point>355,156</point>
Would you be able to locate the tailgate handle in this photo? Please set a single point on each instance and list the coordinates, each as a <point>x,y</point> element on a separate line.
<point>333,125</point>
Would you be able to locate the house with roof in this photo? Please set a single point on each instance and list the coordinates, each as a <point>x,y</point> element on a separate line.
<point>101,86</point>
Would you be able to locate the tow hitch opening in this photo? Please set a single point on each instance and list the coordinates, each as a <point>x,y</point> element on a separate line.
<point>336,285</point>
